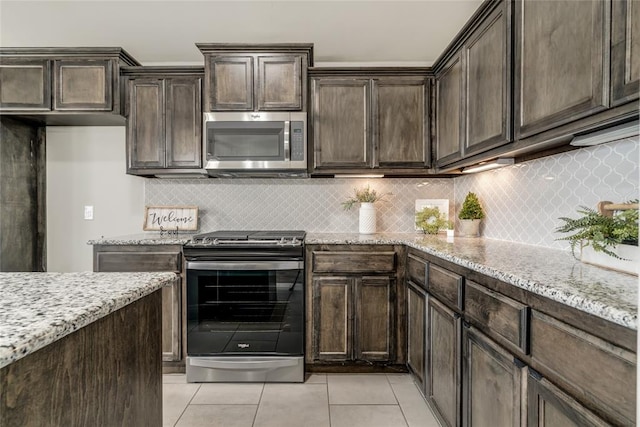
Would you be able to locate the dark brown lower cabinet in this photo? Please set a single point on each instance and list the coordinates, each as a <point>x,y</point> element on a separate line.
<point>491,382</point>
<point>548,406</point>
<point>443,367</point>
<point>416,332</point>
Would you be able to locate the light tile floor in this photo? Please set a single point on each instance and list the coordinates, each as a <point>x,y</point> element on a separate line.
<point>324,400</point>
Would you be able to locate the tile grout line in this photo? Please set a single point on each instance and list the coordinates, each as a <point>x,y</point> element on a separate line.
<point>398,401</point>
<point>326,383</point>
<point>188,403</point>
<point>255,415</point>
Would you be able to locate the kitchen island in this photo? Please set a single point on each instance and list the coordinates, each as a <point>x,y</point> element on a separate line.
<point>81,349</point>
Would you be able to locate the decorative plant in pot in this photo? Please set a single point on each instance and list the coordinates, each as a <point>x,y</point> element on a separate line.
<point>470,216</point>
<point>366,197</point>
<point>431,220</point>
<point>607,240</point>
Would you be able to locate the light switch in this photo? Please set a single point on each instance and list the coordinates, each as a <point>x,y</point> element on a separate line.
<point>88,212</point>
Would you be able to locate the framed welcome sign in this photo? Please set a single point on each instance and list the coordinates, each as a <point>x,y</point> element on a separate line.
<point>164,218</point>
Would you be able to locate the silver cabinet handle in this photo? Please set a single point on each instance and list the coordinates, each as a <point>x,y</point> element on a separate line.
<point>245,265</point>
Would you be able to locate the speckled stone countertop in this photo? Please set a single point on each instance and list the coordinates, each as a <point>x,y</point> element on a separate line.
<point>552,273</point>
<point>148,238</point>
<point>37,309</point>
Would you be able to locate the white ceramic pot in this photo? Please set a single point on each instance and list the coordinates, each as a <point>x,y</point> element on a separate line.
<point>630,263</point>
<point>469,227</point>
<point>367,218</point>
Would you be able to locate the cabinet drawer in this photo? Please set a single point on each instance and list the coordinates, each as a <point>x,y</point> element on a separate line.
<point>417,270</point>
<point>500,317</point>
<point>446,285</point>
<point>596,372</point>
<point>132,262</point>
<point>354,262</point>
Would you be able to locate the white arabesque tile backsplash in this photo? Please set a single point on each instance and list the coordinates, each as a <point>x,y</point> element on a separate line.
<point>523,202</point>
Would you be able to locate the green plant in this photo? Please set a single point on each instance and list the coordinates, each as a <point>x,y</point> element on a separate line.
<point>601,232</point>
<point>363,195</point>
<point>471,208</point>
<point>431,220</point>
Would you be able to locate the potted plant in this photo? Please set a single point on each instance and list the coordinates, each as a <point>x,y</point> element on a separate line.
<point>366,197</point>
<point>609,241</point>
<point>431,220</point>
<point>470,216</point>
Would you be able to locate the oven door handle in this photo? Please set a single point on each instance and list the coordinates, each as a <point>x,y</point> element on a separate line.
<point>245,265</point>
<point>244,365</point>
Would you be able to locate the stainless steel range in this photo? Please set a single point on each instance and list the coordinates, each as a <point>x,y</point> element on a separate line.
<point>245,306</point>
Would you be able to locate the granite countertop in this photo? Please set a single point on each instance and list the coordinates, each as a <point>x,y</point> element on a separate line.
<point>148,238</point>
<point>37,309</point>
<point>552,273</point>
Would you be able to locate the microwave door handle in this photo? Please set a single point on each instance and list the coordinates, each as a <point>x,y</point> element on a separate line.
<point>287,149</point>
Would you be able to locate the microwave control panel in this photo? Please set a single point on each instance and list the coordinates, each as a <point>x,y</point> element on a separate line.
<point>297,141</point>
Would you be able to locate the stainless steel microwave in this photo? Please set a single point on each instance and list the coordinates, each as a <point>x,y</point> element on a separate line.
<point>255,143</point>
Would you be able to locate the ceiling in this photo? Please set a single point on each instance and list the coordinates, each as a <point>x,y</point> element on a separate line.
<point>365,32</point>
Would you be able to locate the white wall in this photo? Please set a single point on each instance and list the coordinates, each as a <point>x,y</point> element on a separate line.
<point>86,166</point>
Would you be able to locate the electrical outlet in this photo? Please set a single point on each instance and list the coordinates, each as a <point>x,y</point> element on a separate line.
<point>88,212</point>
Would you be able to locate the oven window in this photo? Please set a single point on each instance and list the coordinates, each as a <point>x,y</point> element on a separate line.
<point>245,312</point>
<point>245,140</point>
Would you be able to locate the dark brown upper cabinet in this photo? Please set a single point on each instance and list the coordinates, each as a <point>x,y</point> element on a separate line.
<point>561,62</point>
<point>473,90</point>
<point>63,85</point>
<point>164,124</point>
<point>625,51</point>
<point>262,77</point>
<point>363,121</point>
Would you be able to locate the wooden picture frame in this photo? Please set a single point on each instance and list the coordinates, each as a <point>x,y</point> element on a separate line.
<point>167,218</point>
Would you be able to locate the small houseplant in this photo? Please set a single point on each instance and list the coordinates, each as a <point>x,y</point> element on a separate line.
<point>615,236</point>
<point>366,197</point>
<point>431,220</point>
<point>470,216</point>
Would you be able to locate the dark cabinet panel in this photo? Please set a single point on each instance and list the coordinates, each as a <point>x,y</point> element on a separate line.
<point>183,123</point>
<point>341,123</point>
<point>446,285</point>
<point>449,118</point>
<point>354,262</point>
<point>230,83</point>
<point>548,406</point>
<point>561,62</point>
<point>417,333</point>
<point>145,127</point>
<point>625,51</point>
<point>399,121</point>
<point>280,82</point>
<point>82,85</point>
<point>487,98</point>
<point>25,84</point>
<point>374,318</point>
<point>491,383</point>
<point>443,383</point>
<point>331,316</point>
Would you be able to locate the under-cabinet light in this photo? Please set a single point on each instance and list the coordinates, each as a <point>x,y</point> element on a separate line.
<point>614,133</point>
<point>485,166</point>
<point>339,175</point>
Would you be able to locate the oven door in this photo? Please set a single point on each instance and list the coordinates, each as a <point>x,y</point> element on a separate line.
<point>245,308</point>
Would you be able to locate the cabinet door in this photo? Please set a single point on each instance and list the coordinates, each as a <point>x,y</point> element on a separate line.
<point>416,332</point>
<point>491,383</point>
<point>449,123</point>
<point>332,318</point>
<point>171,325</point>
<point>625,51</point>
<point>25,84</point>
<point>183,123</point>
<point>230,83</point>
<point>374,318</point>
<point>279,82</point>
<point>487,57</point>
<point>82,85</point>
<point>399,122</point>
<point>548,406</point>
<point>340,122</point>
<point>561,62</point>
<point>443,371</point>
<point>145,127</point>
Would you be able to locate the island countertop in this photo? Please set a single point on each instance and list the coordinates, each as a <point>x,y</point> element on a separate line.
<point>551,273</point>
<point>37,309</point>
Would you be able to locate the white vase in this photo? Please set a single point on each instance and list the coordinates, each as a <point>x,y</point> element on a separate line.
<point>469,227</point>
<point>630,264</point>
<point>367,218</point>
